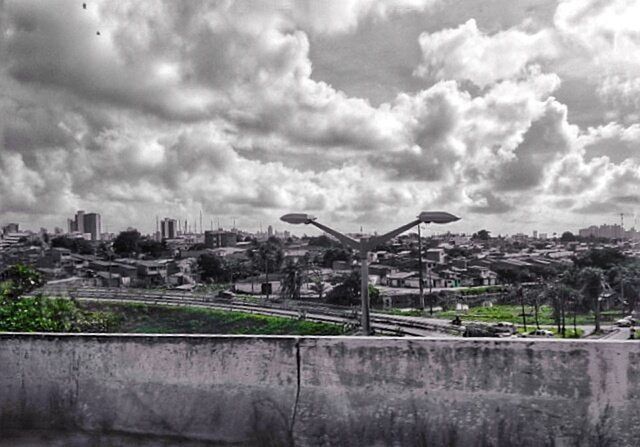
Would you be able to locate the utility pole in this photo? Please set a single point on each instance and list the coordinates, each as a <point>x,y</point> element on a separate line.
<point>266,267</point>
<point>622,295</point>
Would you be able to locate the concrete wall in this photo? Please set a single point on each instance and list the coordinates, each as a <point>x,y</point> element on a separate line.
<point>221,390</point>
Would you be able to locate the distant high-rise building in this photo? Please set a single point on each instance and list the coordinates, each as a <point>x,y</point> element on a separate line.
<point>80,222</point>
<point>604,231</point>
<point>535,234</point>
<point>92,225</point>
<point>168,228</point>
<point>270,231</point>
<point>85,224</point>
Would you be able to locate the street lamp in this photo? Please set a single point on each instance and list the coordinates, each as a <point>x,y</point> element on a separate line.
<point>366,244</point>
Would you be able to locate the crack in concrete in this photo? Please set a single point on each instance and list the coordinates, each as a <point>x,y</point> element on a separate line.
<point>294,410</point>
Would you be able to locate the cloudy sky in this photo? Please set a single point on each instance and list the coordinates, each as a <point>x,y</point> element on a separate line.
<point>515,115</point>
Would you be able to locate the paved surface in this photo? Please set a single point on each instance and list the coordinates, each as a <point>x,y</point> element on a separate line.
<point>621,333</point>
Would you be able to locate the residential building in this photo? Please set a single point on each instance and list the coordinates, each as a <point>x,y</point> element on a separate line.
<point>436,255</point>
<point>88,225</point>
<point>220,238</point>
<point>168,228</point>
<point>92,225</point>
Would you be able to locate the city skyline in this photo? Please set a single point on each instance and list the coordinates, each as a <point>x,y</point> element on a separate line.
<point>515,116</point>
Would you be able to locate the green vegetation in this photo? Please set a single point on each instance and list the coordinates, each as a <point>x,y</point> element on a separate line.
<point>513,314</point>
<point>39,314</point>
<point>147,319</point>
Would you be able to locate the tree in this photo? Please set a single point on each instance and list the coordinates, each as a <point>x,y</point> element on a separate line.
<point>323,241</point>
<point>211,268</point>
<point>602,258</point>
<point>21,279</point>
<point>482,235</point>
<point>267,257</point>
<point>347,292</point>
<point>126,243</point>
<point>567,236</point>
<point>591,288</point>
<point>291,280</point>
<point>151,247</point>
<point>317,282</point>
<point>626,282</point>
<point>81,246</point>
<point>375,299</point>
<point>336,254</point>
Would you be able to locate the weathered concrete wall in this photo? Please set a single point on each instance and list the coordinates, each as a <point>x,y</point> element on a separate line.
<point>164,390</point>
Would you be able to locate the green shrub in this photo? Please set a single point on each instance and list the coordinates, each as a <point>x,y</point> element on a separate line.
<point>41,314</point>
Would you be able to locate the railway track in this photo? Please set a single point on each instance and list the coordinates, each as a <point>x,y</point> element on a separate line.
<point>383,324</point>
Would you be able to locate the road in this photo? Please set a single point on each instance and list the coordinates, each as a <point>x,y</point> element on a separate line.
<point>620,333</point>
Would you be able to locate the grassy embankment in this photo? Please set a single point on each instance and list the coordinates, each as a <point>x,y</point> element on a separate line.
<point>157,319</point>
<point>42,314</point>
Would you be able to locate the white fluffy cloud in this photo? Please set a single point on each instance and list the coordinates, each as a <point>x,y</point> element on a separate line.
<point>466,53</point>
<point>177,107</point>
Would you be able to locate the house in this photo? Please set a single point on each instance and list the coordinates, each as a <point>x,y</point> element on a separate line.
<point>382,271</point>
<point>341,265</point>
<point>105,271</point>
<point>295,255</point>
<point>400,279</point>
<point>106,279</point>
<point>482,276</point>
<point>436,255</point>
<point>56,258</point>
<point>151,273</point>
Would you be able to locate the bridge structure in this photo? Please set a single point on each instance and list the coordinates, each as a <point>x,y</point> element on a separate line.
<point>197,390</point>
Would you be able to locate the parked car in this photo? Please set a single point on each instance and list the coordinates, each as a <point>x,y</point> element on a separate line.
<point>625,322</point>
<point>540,333</point>
<point>504,327</point>
<point>226,294</point>
<point>478,330</point>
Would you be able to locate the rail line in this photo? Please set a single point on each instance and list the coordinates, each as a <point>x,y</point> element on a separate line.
<point>383,324</point>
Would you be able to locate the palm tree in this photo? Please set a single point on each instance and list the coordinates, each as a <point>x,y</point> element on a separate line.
<point>291,281</point>
<point>591,279</point>
<point>267,257</point>
<point>317,283</point>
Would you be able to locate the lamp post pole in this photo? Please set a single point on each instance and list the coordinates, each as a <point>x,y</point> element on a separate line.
<point>366,244</point>
<point>420,268</point>
<point>364,284</point>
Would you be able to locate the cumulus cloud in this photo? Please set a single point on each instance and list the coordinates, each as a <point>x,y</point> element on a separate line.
<point>182,106</point>
<point>466,53</point>
<point>344,16</point>
<point>601,40</point>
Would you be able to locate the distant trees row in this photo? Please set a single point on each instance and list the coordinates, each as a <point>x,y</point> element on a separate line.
<point>80,246</point>
<point>129,243</point>
<point>597,277</point>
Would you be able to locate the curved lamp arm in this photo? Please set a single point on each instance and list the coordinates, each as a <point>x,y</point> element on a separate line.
<point>377,240</point>
<point>346,240</point>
